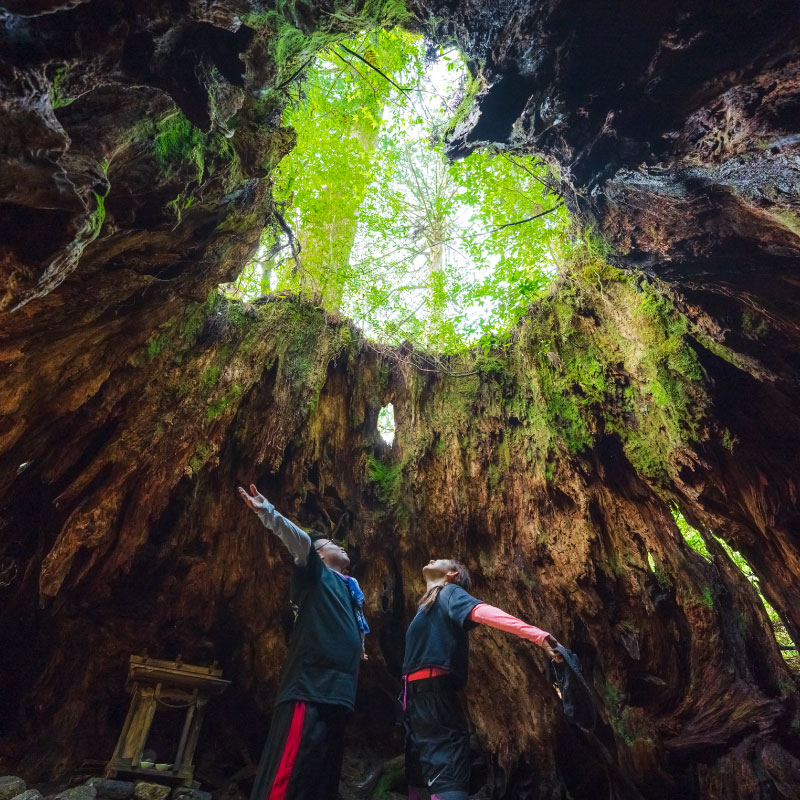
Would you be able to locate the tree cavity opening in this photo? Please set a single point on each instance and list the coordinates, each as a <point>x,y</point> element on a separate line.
<point>386,424</point>
<point>374,220</point>
<point>696,541</point>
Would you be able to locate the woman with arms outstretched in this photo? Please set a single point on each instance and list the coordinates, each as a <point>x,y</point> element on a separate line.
<point>435,668</point>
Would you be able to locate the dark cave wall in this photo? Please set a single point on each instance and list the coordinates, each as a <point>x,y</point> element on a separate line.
<point>142,543</point>
<point>136,401</point>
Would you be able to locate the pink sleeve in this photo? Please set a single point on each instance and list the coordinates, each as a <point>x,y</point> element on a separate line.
<point>495,618</point>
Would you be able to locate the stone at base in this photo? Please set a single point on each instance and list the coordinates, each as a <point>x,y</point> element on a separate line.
<point>78,793</point>
<point>30,794</point>
<point>150,791</point>
<point>11,786</point>
<point>185,793</point>
<point>112,790</point>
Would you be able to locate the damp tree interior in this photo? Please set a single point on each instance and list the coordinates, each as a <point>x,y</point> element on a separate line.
<point>597,410</point>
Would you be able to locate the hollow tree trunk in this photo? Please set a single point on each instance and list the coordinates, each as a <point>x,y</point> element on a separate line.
<point>133,400</point>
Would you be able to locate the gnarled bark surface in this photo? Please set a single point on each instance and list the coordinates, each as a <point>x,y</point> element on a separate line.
<point>133,400</point>
<point>675,128</point>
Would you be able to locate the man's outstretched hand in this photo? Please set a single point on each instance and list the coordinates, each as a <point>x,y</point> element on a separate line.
<point>255,499</point>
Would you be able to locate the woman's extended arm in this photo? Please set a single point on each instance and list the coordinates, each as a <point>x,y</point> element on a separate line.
<point>297,541</point>
<point>496,618</point>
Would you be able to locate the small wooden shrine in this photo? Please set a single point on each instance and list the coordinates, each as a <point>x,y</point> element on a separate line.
<point>158,685</point>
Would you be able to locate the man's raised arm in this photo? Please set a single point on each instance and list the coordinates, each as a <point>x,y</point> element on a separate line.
<point>297,541</point>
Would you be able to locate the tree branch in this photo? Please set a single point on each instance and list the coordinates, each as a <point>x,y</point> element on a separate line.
<point>547,185</point>
<point>372,66</point>
<point>527,219</point>
<point>363,78</point>
<point>294,242</point>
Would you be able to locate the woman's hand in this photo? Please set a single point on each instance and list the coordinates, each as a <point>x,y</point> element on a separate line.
<point>255,500</point>
<point>549,647</point>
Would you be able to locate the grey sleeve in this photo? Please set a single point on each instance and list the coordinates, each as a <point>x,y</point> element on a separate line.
<point>297,541</point>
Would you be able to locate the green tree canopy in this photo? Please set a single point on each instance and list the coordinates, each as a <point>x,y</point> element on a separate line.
<point>385,228</point>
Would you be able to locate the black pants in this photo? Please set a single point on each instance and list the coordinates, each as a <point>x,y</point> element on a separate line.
<point>437,738</point>
<point>302,759</point>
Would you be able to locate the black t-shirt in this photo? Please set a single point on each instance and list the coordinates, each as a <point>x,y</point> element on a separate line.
<point>325,648</point>
<point>438,637</point>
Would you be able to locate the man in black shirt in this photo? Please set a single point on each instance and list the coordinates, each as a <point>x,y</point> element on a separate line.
<point>302,758</point>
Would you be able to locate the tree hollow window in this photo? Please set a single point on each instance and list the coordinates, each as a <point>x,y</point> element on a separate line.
<point>386,424</point>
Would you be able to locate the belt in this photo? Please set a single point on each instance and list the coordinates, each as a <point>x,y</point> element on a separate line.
<point>420,674</point>
<point>427,672</point>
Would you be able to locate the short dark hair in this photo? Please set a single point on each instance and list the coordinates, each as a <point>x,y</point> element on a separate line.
<point>321,541</point>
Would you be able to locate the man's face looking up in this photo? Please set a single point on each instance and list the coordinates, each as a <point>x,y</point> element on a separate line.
<point>332,555</point>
